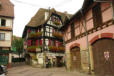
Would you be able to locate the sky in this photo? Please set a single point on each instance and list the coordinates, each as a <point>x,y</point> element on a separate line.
<point>24,10</point>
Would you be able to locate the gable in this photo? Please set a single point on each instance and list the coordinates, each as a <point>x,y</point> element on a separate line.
<point>55,20</point>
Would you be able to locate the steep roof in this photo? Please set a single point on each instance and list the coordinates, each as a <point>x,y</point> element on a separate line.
<point>6,8</point>
<point>78,14</point>
<point>39,17</point>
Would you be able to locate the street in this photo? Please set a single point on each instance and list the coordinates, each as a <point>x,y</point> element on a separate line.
<point>31,71</point>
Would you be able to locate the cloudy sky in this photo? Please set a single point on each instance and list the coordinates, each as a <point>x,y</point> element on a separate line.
<point>25,9</point>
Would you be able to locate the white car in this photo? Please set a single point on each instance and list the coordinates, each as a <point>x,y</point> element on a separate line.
<point>2,70</point>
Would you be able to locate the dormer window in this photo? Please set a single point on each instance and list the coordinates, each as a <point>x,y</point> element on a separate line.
<point>3,22</point>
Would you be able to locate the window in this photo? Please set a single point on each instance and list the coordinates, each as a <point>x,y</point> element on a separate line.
<point>48,31</point>
<point>97,17</point>
<point>3,22</point>
<point>2,36</point>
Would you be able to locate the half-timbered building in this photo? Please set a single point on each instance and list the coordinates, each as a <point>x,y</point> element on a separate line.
<point>89,38</point>
<point>6,30</point>
<point>43,39</point>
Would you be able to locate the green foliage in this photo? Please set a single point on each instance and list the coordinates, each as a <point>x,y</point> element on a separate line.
<point>18,45</point>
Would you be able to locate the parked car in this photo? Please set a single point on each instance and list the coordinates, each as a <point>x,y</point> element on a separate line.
<point>3,70</point>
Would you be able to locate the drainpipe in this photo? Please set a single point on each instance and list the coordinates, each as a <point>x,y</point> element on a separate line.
<point>85,28</point>
<point>113,10</point>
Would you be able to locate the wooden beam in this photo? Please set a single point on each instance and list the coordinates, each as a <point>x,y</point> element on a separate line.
<point>113,10</point>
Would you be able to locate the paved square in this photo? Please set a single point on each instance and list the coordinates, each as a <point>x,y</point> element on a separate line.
<point>31,71</point>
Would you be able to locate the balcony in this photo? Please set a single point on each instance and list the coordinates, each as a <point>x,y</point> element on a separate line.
<point>57,35</point>
<point>56,49</point>
<point>34,35</point>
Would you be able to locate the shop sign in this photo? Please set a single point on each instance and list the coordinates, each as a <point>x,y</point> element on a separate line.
<point>107,55</point>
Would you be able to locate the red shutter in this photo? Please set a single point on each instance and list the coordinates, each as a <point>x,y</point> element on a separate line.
<point>49,42</point>
<point>29,42</point>
<point>53,30</point>
<point>40,42</point>
<point>36,42</point>
<point>29,30</point>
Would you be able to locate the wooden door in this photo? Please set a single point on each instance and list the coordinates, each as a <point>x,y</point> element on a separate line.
<point>103,55</point>
<point>75,58</point>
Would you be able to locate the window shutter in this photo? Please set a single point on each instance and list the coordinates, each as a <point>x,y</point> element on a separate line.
<point>36,42</point>
<point>53,30</point>
<point>49,42</point>
<point>29,42</point>
<point>40,42</point>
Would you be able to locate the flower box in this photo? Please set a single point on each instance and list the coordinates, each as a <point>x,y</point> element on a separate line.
<point>33,48</point>
<point>54,48</point>
<point>58,35</point>
<point>35,35</point>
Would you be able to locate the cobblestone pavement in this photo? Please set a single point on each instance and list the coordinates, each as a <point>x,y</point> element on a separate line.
<point>30,71</point>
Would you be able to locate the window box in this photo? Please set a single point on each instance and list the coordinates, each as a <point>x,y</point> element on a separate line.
<point>58,35</point>
<point>33,48</point>
<point>56,49</point>
<point>35,35</point>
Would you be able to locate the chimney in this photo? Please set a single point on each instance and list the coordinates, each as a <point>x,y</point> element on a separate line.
<point>46,15</point>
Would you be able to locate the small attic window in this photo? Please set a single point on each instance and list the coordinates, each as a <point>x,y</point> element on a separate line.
<point>3,22</point>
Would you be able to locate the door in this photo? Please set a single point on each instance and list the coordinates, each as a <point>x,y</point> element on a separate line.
<point>103,55</point>
<point>75,58</point>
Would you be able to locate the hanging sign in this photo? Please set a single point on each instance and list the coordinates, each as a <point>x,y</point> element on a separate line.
<point>107,55</point>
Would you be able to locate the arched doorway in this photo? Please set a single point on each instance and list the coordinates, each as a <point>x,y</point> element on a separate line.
<point>75,58</point>
<point>28,59</point>
<point>103,55</point>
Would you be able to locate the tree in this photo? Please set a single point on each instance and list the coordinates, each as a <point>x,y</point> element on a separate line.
<point>18,45</point>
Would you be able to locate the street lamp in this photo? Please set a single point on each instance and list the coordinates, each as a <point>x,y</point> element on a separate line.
<point>85,28</point>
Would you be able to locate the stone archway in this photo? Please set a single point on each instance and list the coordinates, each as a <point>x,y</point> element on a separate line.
<point>103,56</point>
<point>28,59</point>
<point>75,58</point>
